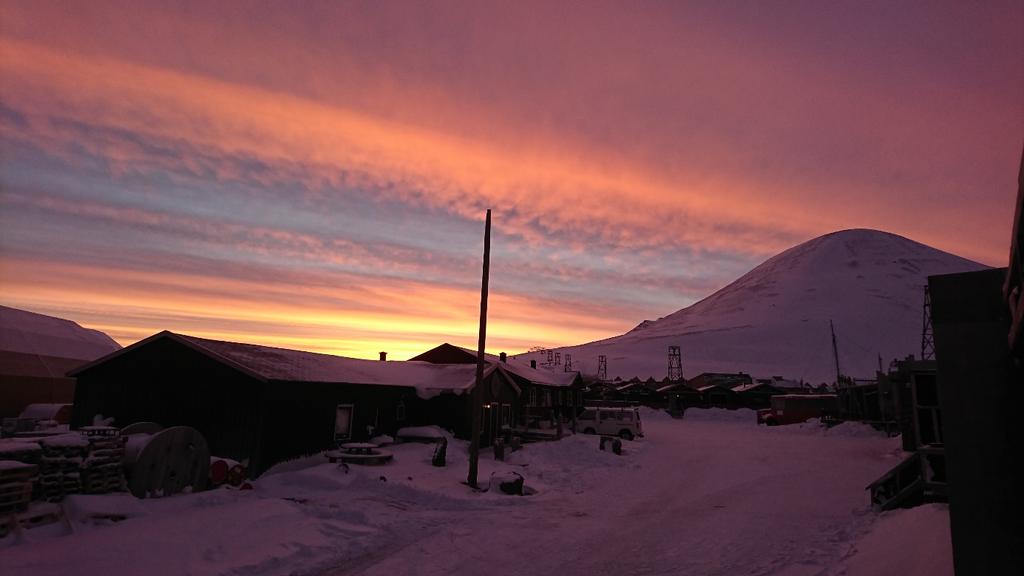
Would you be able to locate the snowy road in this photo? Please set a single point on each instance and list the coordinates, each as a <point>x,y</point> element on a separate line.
<point>706,497</point>
<point>713,494</point>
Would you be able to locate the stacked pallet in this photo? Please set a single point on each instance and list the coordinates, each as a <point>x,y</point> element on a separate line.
<point>61,464</point>
<point>16,479</point>
<point>102,470</point>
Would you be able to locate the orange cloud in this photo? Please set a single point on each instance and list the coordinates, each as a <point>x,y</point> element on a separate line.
<point>535,192</point>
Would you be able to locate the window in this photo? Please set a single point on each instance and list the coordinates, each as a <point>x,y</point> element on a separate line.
<point>400,410</point>
<point>343,421</point>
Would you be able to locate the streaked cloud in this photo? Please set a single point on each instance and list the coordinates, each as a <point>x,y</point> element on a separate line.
<point>296,170</point>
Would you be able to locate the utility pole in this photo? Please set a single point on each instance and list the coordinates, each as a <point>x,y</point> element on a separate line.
<point>477,394</point>
<point>602,368</point>
<point>835,351</point>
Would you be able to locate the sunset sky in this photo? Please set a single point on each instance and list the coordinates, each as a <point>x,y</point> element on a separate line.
<point>314,175</point>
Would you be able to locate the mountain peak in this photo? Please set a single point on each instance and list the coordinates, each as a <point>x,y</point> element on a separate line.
<point>775,319</point>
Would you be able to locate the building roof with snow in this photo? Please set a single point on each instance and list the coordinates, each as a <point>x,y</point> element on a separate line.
<point>27,332</point>
<point>36,351</point>
<point>268,363</point>
<point>756,387</point>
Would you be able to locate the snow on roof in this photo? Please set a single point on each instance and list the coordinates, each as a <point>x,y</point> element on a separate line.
<point>805,396</point>
<point>271,363</point>
<point>42,411</point>
<point>746,387</point>
<point>26,332</point>
<point>710,386</point>
<point>673,386</point>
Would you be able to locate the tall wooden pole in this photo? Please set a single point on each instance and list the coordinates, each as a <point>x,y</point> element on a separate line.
<point>475,404</point>
<point>835,353</point>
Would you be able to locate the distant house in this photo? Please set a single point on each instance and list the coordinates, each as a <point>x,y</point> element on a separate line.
<point>718,396</point>
<point>786,385</point>
<point>726,379</point>
<point>678,395</point>
<point>756,395</point>
<point>265,404</point>
<point>542,395</point>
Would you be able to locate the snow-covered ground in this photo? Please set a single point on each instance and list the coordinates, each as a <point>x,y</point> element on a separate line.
<point>709,494</point>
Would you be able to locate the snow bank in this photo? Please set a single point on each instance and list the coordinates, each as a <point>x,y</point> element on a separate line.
<point>744,415</point>
<point>914,541</point>
<point>855,430</point>
<point>422,433</point>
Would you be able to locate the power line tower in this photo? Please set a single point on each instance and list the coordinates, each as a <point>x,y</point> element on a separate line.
<point>927,337</point>
<point>568,362</point>
<point>602,368</point>
<point>675,364</point>
<point>551,357</point>
<point>558,358</point>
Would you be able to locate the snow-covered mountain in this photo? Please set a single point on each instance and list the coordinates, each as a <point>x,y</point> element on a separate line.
<point>26,332</point>
<point>774,320</point>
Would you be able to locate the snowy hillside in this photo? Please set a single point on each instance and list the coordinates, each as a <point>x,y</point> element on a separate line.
<point>30,333</point>
<point>774,320</point>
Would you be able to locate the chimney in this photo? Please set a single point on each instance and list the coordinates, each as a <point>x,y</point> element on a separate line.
<point>504,357</point>
<point>383,356</point>
<point>533,364</point>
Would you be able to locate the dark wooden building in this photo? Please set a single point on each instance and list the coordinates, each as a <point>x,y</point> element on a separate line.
<point>718,396</point>
<point>726,379</point>
<point>542,395</point>
<point>264,405</point>
<point>981,393</point>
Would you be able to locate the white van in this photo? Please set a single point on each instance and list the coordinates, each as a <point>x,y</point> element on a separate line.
<point>623,422</point>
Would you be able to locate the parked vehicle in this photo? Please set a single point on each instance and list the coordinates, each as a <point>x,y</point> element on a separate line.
<point>796,408</point>
<point>623,422</point>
